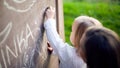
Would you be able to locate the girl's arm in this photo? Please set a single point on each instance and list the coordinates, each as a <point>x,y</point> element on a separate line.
<point>53,37</point>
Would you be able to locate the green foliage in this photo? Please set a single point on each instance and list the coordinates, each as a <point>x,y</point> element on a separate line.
<point>108,14</point>
<point>91,1</point>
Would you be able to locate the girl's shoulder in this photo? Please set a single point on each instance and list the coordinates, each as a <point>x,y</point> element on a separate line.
<point>74,58</point>
<point>70,47</point>
<point>70,50</point>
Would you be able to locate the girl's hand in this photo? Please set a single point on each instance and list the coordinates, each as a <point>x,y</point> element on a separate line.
<point>50,13</point>
<point>50,49</point>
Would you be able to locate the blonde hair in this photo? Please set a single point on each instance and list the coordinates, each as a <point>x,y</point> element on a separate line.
<point>99,42</point>
<point>83,23</point>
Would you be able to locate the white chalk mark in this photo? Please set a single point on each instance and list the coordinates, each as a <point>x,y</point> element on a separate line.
<point>8,50</point>
<point>17,9</point>
<point>3,57</point>
<point>4,34</point>
<point>29,32</point>
<point>0,65</point>
<point>19,46</point>
<point>19,1</point>
<point>20,41</point>
<point>15,47</point>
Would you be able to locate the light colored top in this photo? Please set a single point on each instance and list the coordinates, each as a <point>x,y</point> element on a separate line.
<point>66,53</point>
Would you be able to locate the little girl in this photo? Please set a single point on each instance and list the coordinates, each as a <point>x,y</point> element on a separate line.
<point>68,55</point>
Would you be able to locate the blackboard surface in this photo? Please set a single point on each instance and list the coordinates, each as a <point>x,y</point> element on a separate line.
<point>22,39</point>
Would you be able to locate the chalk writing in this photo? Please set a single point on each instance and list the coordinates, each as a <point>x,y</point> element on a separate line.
<point>22,43</point>
<point>18,9</point>
<point>3,57</point>
<point>8,50</point>
<point>19,1</point>
<point>21,40</point>
<point>28,34</point>
<point>4,34</point>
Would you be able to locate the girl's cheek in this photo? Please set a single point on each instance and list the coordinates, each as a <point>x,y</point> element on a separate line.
<point>72,38</point>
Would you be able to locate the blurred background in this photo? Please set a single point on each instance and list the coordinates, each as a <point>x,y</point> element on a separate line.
<point>106,11</point>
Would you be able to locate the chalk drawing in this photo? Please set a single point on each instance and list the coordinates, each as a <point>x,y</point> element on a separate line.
<point>19,1</point>
<point>0,65</point>
<point>28,34</point>
<point>3,57</point>
<point>18,9</point>
<point>8,50</point>
<point>20,41</point>
<point>4,34</point>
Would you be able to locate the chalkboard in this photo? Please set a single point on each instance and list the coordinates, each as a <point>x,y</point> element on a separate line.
<point>23,43</point>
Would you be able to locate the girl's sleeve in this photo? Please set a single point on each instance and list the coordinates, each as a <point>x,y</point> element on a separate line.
<point>54,39</point>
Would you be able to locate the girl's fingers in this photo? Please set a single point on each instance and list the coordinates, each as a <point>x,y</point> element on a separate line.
<point>50,12</point>
<point>52,8</point>
<point>50,48</point>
